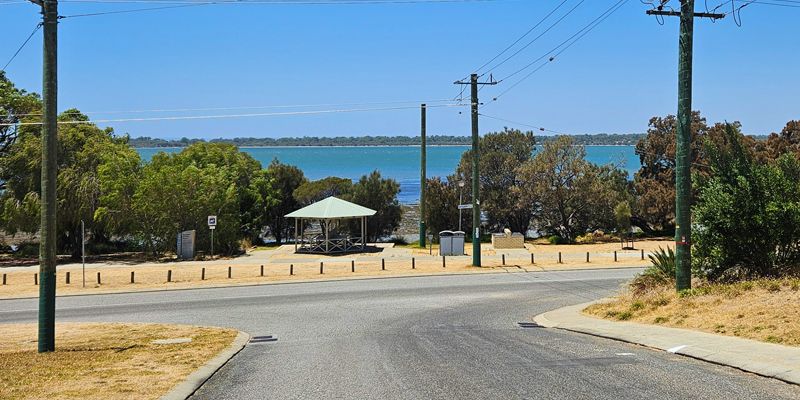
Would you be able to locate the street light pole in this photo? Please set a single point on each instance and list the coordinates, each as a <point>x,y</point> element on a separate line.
<point>461,184</point>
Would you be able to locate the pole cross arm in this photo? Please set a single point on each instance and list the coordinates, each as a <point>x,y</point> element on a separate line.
<point>678,14</point>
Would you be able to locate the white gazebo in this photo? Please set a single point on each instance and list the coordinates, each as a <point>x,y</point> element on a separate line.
<point>328,211</point>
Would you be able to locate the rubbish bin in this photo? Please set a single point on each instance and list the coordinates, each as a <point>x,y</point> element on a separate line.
<point>446,243</point>
<point>458,243</point>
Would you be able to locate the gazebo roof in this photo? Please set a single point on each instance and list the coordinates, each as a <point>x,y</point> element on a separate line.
<point>331,208</point>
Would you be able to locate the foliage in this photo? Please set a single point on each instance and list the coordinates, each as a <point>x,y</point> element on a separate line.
<point>570,195</point>
<point>15,106</point>
<point>777,144</point>
<point>622,215</point>
<point>373,191</point>
<point>747,214</point>
<point>441,205</point>
<point>654,183</point>
<point>313,191</point>
<point>285,180</point>
<point>84,150</point>
<point>660,273</point>
<point>500,155</point>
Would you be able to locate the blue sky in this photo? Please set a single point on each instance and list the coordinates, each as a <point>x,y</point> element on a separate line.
<point>613,80</point>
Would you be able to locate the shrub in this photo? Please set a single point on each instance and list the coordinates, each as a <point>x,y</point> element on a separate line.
<point>661,272</point>
<point>555,239</point>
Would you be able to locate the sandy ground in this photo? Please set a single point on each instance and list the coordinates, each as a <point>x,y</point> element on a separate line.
<point>766,310</point>
<point>278,263</point>
<point>104,361</point>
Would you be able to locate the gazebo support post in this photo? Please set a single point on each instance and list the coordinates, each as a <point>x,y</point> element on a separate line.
<point>326,235</point>
<point>296,224</point>
<point>363,233</point>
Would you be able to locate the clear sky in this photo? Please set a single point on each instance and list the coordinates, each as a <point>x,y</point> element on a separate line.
<point>219,56</point>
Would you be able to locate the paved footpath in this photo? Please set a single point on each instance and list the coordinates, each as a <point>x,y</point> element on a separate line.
<point>442,337</point>
<point>766,359</point>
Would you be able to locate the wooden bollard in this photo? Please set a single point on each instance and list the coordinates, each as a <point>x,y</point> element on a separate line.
<point>169,275</point>
<point>321,266</point>
<point>203,274</point>
<point>444,262</point>
<point>615,256</point>
<point>35,279</point>
<point>230,273</point>
<point>642,254</point>
<point>503,259</point>
<point>413,263</point>
<point>67,277</point>
<point>383,264</point>
<point>352,265</point>
<point>99,282</point>
<point>262,270</point>
<point>291,269</point>
<point>587,256</point>
<point>559,257</point>
<point>4,279</point>
<point>133,277</point>
<point>533,260</point>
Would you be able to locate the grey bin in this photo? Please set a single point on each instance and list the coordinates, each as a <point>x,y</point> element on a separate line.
<point>451,243</point>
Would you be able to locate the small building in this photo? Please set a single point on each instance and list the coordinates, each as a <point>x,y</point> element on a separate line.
<point>332,214</point>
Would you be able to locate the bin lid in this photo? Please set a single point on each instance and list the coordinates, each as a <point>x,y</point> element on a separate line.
<point>446,233</point>
<point>459,233</point>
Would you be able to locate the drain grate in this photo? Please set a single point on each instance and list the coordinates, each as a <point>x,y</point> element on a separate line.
<point>529,325</point>
<point>263,339</point>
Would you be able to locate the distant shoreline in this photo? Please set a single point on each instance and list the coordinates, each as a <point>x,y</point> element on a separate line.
<point>359,145</point>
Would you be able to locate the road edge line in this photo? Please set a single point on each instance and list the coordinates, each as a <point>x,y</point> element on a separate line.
<point>196,379</point>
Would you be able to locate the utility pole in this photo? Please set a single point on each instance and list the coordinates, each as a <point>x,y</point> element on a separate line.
<point>422,176</point>
<point>683,141</point>
<point>476,211</point>
<point>47,241</point>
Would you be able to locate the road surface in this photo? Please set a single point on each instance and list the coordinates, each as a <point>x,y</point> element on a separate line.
<point>440,337</point>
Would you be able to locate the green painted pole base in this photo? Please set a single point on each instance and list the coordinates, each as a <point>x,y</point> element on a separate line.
<point>422,236</point>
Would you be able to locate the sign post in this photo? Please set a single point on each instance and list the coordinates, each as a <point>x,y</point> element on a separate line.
<point>212,224</point>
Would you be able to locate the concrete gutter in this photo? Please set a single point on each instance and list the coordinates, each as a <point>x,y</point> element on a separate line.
<point>197,378</point>
<point>765,359</point>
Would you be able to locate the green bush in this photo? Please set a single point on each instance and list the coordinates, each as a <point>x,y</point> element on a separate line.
<point>27,249</point>
<point>747,213</point>
<point>555,239</point>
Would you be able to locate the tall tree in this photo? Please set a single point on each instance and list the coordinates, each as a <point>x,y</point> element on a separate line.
<point>373,191</point>
<point>568,194</point>
<point>654,183</point>
<point>16,105</point>
<point>500,155</point>
<point>285,180</point>
<point>314,191</point>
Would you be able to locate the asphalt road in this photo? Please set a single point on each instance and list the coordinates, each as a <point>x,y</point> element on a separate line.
<point>447,337</point>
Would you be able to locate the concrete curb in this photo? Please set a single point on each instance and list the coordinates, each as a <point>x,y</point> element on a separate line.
<point>764,359</point>
<point>197,378</point>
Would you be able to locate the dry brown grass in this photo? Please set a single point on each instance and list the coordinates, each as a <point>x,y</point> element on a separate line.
<point>103,361</point>
<point>765,310</point>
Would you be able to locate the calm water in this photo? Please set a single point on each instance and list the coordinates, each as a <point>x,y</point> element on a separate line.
<point>399,163</point>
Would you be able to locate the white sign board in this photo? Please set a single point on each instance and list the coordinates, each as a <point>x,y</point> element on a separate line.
<point>212,221</point>
<point>464,206</point>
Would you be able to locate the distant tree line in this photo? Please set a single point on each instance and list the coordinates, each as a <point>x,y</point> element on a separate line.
<point>433,140</point>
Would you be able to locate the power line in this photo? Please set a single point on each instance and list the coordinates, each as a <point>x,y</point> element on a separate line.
<point>38,26</point>
<point>553,25</point>
<point>563,46</point>
<point>522,37</point>
<point>226,116</point>
<point>539,128</point>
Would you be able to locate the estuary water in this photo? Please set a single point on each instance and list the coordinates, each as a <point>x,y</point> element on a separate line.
<point>398,162</point>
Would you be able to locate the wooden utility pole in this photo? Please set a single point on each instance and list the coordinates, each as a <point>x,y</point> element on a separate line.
<point>683,148</point>
<point>47,230</point>
<point>476,211</point>
<point>422,177</point>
